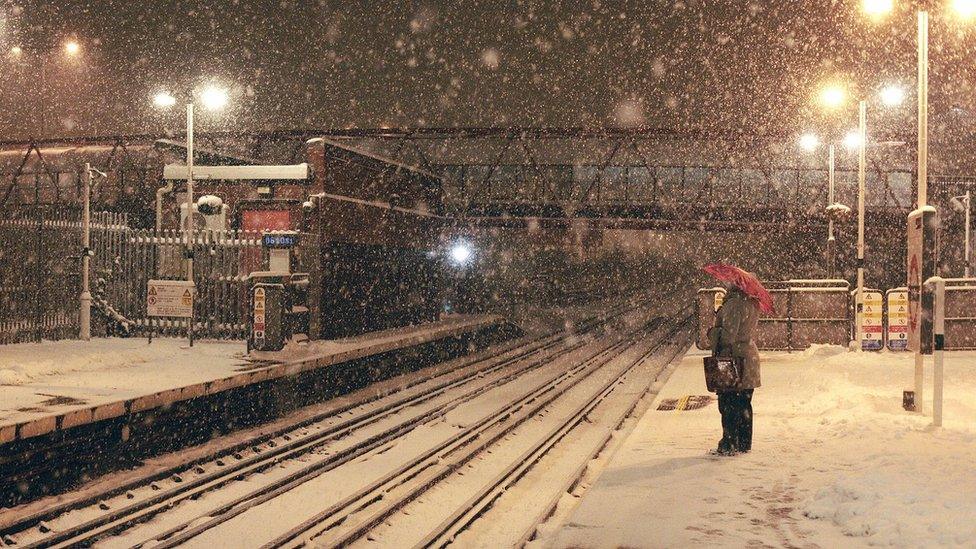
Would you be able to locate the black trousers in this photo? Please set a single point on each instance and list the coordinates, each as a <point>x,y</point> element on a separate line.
<point>736,410</point>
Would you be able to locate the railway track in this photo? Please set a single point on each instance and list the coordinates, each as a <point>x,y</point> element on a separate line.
<point>355,517</point>
<point>127,506</point>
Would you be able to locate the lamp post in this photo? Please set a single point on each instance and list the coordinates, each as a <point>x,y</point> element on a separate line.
<point>71,49</point>
<point>832,97</point>
<point>861,169</point>
<point>213,98</point>
<point>809,142</point>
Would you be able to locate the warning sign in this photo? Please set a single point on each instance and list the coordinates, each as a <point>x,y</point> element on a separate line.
<point>898,320</point>
<point>872,333</point>
<point>170,298</point>
<point>259,308</point>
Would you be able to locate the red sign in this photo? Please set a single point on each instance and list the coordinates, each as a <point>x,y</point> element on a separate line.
<point>266,220</point>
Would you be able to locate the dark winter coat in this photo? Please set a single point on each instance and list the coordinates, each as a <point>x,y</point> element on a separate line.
<point>734,334</point>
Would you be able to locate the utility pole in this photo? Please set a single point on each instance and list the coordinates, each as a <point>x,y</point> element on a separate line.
<point>861,169</point>
<point>86,298</point>
<point>189,211</point>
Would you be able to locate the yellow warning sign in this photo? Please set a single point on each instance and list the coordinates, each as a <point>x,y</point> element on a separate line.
<point>169,298</point>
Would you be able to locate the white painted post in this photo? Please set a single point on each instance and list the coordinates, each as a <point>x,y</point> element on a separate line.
<point>84,318</point>
<point>968,214</point>
<point>831,241</point>
<point>938,329</point>
<point>923,156</point>
<point>189,207</point>
<point>923,107</point>
<point>861,171</point>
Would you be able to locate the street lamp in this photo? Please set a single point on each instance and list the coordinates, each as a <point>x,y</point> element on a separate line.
<point>877,8</point>
<point>964,9</point>
<point>213,98</point>
<point>962,204</point>
<point>72,48</point>
<point>809,142</point>
<point>833,96</point>
<point>164,100</point>
<point>892,96</point>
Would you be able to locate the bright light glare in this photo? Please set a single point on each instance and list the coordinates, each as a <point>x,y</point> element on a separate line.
<point>809,142</point>
<point>833,96</point>
<point>964,9</point>
<point>16,51</point>
<point>877,8</point>
<point>72,48</point>
<point>214,98</point>
<point>892,96</point>
<point>461,253</point>
<point>164,100</point>
<point>853,139</point>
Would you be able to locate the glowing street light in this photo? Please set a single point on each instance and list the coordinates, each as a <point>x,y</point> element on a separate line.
<point>809,142</point>
<point>964,9</point>
<point>853,140</point>
<point>214,98</point>
<point>461,253</point>
<point>892,96</point>
<point>164,100</point>
<point>877,8</point>
<point>833,96</point>
<point>72,48</point>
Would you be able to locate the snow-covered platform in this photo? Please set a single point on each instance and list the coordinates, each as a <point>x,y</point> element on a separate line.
<point>836,462</point>
<point>54,386</point>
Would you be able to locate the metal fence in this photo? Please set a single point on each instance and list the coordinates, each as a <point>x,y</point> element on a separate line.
<point>807,312</point>
<point>40,282</point>
<point>126,259</point>
<point>39,272</point>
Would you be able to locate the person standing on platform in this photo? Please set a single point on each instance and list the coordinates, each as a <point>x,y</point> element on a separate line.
<point>734,335</point>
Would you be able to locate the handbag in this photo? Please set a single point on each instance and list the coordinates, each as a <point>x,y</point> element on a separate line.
<point>722,373</point>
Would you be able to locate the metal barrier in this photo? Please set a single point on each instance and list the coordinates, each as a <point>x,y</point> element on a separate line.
<point>960,313</point>
<point>807,312</point>
<point>126,259</point>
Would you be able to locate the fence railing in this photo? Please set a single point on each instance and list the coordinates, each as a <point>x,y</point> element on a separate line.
<point>40,255</point>
<point>126,260</point>
<point>807,312</point>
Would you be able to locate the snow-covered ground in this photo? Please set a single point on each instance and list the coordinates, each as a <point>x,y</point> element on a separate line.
<point>27,362</point>
<point>836,462</point>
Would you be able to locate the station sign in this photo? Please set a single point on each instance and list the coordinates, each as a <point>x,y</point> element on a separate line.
<point>170,298</point>
<point>279,240</point>
<point>898,320</point>
<point>872,321</point>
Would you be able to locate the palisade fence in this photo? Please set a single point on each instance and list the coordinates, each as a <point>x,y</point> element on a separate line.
<point>40,276</point>
<point>126,259</point>
<point>40,268</point>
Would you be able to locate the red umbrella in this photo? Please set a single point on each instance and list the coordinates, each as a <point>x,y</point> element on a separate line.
<point>745,281</point>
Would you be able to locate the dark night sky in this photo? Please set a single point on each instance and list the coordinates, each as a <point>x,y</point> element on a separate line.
<point>735,65</point>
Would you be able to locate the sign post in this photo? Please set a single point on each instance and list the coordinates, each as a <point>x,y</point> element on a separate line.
<point>922,249</point>
<point>171,299</point>
<point>872,329</point>
<point>897,320</point>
